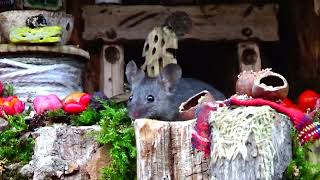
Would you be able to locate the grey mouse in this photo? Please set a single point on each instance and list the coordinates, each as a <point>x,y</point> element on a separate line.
<point>160,97</point>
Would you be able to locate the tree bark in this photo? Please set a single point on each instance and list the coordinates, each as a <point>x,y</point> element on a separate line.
<point>165,151</point>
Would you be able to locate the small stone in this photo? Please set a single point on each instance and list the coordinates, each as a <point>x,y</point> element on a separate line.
<point>3,124</point>
<point>71,168</point>
<point>14,166</point>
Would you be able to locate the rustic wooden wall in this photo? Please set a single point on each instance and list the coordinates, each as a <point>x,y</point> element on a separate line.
<point>296,56</point>
<point>300,44</point>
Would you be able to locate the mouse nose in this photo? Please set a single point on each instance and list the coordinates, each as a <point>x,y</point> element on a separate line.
<point>135,114</point>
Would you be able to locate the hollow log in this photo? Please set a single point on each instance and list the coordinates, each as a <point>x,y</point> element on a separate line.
<point>165,151</point>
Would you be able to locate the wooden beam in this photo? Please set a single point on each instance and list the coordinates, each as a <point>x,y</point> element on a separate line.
<point>209,22</point>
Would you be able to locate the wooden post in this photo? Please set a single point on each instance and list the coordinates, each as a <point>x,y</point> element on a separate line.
<point>249,57</point>
<point>317,7</point>
<point>112,70</point>
<point>165,151</point>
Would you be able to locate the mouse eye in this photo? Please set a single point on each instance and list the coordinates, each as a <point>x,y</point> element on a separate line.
<point>150,98</point>
<point>130,98</point>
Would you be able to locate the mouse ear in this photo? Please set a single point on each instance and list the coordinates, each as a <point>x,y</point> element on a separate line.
<point>170,76</point>
<point>133,73</point>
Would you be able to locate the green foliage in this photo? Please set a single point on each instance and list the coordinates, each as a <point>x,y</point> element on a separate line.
<point>86,118</point>
<point>8,90</point>
<point>117,131</point>
<point>300,168</point>
<point>56,114</point>
<point>12,147</point>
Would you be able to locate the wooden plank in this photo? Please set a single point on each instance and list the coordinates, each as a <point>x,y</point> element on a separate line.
<point>316,5</point>
<point>209,22</point>
<point>249,57</point>
<point>165,151</point>
<point>64,49</point>
<point>112,70</point>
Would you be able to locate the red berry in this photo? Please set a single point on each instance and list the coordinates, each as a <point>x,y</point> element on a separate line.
<point>307,99</point>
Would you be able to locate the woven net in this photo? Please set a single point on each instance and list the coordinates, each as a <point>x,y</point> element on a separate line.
<point>231,128</point>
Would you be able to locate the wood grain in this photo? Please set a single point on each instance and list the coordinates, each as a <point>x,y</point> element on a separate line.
<point>209,22</point>
<point>64,49</point>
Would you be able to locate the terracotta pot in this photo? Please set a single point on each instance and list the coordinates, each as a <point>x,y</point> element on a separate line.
<point>271,86</point>
<point>244,83</point>
<point>187,109</point>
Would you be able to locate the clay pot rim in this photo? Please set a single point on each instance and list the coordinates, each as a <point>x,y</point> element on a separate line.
<point>181,107</point>
<point>270,88</point>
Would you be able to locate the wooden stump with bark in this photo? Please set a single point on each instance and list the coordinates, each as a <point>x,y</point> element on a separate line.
<point>247,143</point>
<point>165,151</point>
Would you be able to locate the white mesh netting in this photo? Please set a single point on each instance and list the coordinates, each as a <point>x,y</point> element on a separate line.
<point>231,129</point>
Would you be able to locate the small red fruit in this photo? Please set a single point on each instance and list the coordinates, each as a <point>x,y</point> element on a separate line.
<point>307,100</point>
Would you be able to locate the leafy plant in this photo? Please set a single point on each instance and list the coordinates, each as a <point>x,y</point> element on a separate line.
<point>87,117</point>
<point>13,148</point>
<point>57,114</point>
<point>300,168</point>
<point>8,90</point>
<point>117,131</point>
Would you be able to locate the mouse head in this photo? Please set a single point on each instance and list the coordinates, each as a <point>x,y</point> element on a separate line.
<point>151,97</point>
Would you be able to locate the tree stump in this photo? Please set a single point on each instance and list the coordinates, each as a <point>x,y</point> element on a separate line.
<point>165,151</point>
<point>261,149</point>
<point>66,152</point>
<point>249,143</point>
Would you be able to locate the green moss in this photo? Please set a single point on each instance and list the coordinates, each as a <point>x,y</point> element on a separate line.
<point>118,132</point>
<point>13,148</point>
<point>86,118</point>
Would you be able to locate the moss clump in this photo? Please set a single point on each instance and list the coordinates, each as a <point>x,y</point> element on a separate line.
<point>86,118</point>
<point>117,131</point>
<point>13,148</point>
